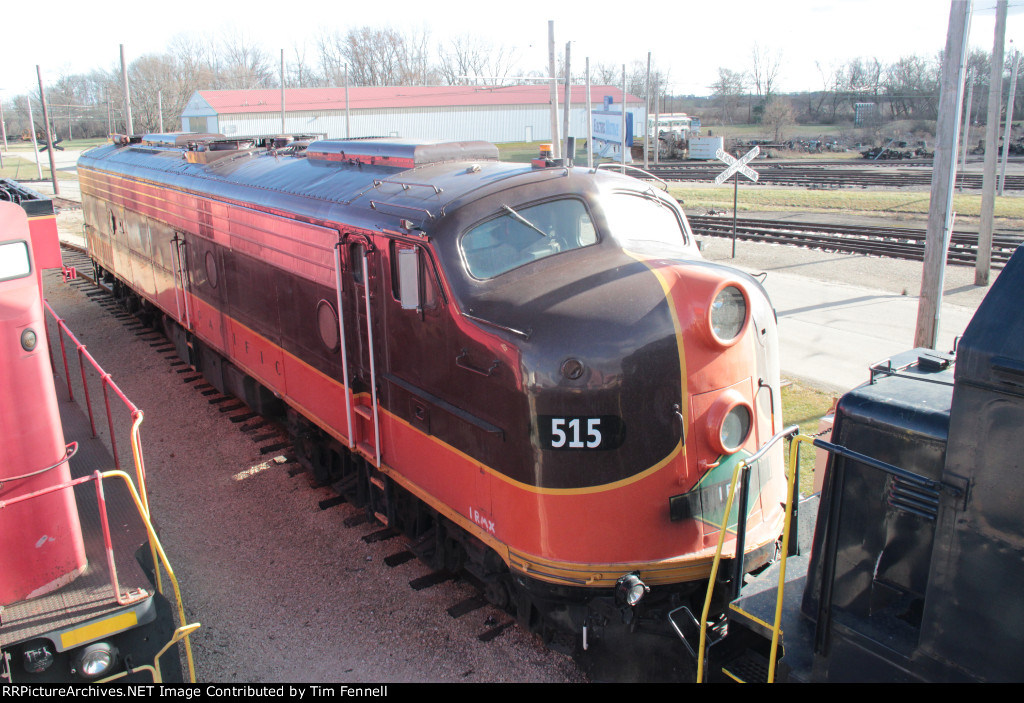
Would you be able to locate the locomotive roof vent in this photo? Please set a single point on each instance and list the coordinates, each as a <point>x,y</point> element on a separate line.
<point>400,153</point>
<point>285,141</point>
<point>178,139</point>
<point>125,139</point>
<point>204,152</point>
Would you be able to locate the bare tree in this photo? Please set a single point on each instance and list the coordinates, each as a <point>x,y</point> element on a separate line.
<point>604,74</point>
<point>197,60</point>
<point>469,59</point>
<point>911,86</point>
<point>299,72</point>
<point>156,83</point>
<point>864,76</point>
<point>377,56</point>
<point>765,71</point>
<point>246,65</point>
<point>330,54</point>
<point>778,114</point>
<point>727,93</point>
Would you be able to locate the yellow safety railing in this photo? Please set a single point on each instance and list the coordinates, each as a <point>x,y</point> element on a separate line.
<point>140,496</point>
<point>158,549</point>
<point>154,541</point>
<point>741,466</point>
<point>154,669</point>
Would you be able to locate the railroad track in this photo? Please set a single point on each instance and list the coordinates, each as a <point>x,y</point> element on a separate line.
<point>825,177</point>
<point>893,242</point>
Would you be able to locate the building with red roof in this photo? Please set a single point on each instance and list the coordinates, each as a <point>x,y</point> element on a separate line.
<point>495,114</point>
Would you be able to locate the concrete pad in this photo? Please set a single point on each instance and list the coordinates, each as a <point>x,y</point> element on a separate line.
<point>831,342</point>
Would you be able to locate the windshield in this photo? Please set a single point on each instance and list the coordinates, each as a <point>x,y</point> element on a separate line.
<point>639,221</point>
<point>520,235</point>
<point>14,261</point>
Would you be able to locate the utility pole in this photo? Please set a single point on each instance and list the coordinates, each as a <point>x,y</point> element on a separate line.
<point>983,262</point>
<point>3,125</point>
<point>49,137</point>
<point>647,113</point>
<point>127,100</point>
<point>965,137</point>
<point>940,212</point>
<point>622,132</point>
<point>590,122</point>
<point>568,102</point>
<point>35,146</point>
<point>657,120</point>
<point>555,145</point>
<point>282,93</point>
<point>3,130</point>
<point>1008,132</point>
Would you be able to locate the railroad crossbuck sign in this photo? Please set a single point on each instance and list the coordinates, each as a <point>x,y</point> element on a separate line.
<point>739,165</point>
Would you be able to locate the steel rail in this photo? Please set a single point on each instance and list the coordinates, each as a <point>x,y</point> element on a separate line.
<point>901,243</point>
<point>853,176</point>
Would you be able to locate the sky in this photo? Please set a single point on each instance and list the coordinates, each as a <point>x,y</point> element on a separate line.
<point>690,40</point>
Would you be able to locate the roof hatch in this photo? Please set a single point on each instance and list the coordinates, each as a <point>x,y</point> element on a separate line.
<point>398,152</point>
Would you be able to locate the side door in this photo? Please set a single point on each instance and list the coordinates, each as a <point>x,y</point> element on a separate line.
<point>359,282</point>
<point>179,273</point>
<point>418,368</point>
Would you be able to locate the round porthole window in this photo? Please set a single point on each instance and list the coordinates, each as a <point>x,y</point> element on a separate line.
<point>327,325</point>
<point>211,269</point>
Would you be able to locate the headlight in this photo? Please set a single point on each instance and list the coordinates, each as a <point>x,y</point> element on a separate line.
<point>95,660</point>
<point>729,422</point>
<point>728,314</point>
<point>28,339</point>
<point>735,428</point>
<point>629,590</point>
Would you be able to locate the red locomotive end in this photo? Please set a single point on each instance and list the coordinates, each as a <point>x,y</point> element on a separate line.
<point>43,547</point>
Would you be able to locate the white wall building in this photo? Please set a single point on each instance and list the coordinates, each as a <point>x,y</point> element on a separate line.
<point>450,113</point>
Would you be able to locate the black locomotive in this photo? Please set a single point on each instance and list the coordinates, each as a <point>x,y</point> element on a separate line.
<point>918,548</point>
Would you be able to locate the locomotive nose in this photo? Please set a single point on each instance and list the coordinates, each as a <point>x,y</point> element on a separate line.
<point>727,343</point>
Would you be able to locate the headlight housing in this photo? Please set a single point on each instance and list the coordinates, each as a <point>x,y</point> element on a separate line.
<point>630,590</point>
<point>29,339</point>
<point>94,661</point>
<point>735,428</point>
<point>727,314</point>
<point>729,422</point>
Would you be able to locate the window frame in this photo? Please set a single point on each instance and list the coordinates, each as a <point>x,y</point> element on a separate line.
<point>521,208</point>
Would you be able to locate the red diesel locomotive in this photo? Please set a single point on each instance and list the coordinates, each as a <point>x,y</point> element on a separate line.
<point>527,368</point>
<point>77,600</point>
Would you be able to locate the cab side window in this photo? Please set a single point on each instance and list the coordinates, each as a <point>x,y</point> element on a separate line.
<point>413,282</point>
